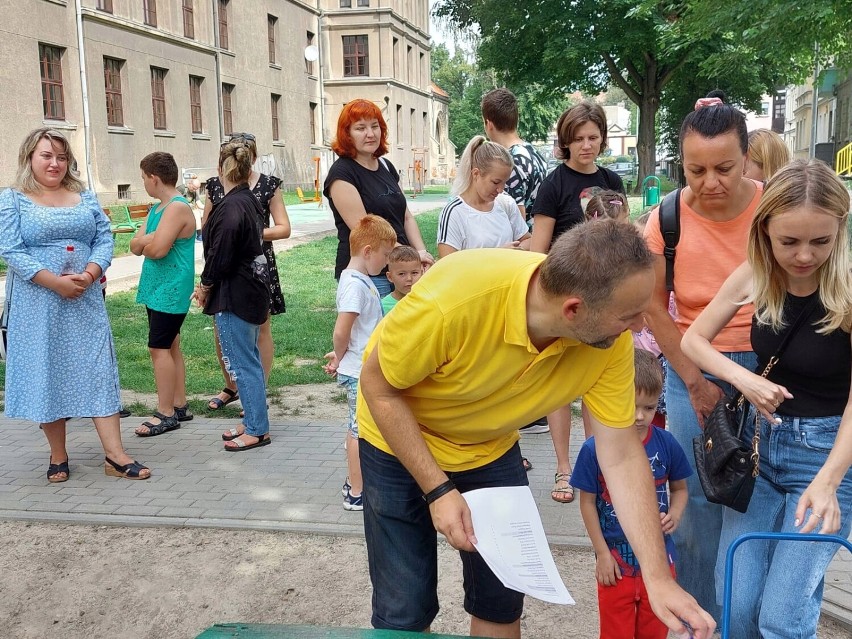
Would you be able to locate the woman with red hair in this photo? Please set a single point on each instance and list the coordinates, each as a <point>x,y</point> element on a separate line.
<point>361,181</point>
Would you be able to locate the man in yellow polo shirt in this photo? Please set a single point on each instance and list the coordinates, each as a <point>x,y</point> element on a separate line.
<point>485,342</point>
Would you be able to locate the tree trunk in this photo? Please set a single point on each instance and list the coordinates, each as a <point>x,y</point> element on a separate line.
<point>646,142</point>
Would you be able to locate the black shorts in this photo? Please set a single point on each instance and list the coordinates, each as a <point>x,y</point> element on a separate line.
<point>163,328</point>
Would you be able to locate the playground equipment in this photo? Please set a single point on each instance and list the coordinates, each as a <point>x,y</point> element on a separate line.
<point>418,172</point>
<point>650,192</point>
<point>774,536</point>
<point>317,196</point>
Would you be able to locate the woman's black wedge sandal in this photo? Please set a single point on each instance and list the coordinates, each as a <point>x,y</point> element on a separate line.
<point>133,470</point>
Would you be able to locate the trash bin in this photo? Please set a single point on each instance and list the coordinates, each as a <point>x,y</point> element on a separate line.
<point>651,192</point>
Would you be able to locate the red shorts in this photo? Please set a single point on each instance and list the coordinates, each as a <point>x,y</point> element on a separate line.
<point>625,612</point>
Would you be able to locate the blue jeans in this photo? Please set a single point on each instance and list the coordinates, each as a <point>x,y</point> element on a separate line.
<point>382,284</point>
<point>777,586</point>
<point>402,546</point>
<point>697,538</point>
<point>241,357</point>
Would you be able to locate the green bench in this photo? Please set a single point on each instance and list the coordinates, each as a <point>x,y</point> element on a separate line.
<point>274,631</point>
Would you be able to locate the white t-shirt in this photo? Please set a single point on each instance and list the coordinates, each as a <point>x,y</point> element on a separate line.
<point>356,293</point>
<point>463,227</point>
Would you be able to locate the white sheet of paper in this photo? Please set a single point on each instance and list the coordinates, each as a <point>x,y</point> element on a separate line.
<point>511,540</point>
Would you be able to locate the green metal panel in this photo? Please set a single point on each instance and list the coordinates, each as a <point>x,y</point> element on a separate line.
<point>270,631</point>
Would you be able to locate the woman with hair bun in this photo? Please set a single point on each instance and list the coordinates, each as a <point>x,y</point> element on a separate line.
<point>267,190</point>
<point>361,181</point>
<point>716,209</point>
<point>234,288</point>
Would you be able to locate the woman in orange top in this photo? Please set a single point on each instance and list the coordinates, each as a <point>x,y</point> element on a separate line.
<point>716,209</point>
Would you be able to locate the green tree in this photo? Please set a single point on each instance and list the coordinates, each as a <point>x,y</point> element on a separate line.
<point>539,106</point>
<point>582,44</point>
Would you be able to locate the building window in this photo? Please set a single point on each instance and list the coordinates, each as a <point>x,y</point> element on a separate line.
<point>223,24</point>
<point>309,65</point>
<point>271,26</point>
<point>396,58</point>
<point>227,104</point>
<point>195,103</point>
<point>412,131</point>
<point>104,5</point>
<point>425,143</point>
<point>313,122</point>
<point>112,83</point>
<point>158,96</point>
<point>345,4</point>
<point>422,69</point>
<point>409,65</point>
<point>275,103</point>
<point>188,19</point>
<point>363,3</point>
<point>399,124</point>
<point>149,12</point>
<point>50,62</point>
<point>123,191</point>
<point>355,58</point>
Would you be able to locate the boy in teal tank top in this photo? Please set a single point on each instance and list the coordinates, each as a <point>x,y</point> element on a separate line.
<point>167,241</point>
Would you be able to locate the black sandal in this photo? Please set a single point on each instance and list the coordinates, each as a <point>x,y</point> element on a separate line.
<point>166,424</point>
<point>56,469</point>
<point>216,403</point>
<point>182,413</point>
<point>133,470</point>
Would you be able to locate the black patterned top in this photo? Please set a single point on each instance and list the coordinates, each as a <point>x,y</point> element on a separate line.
<point>263,191</point>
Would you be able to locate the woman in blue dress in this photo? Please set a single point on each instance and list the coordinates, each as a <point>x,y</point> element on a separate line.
<point>61,361</point>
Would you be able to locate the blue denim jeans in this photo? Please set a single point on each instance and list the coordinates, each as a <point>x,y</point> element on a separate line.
<point>241,357</point>
<point>777,586</point>
<point>697,538</point>
<point>402,546</point>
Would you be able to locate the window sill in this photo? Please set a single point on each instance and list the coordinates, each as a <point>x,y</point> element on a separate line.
<point>120,130</point>
<point>163,133</point>
<point>273,65</point>
<point>61,3</point>
<point>280,143</point>
<point>62,125</point>
<point>227,52</point>
<point>201,136</point>
<point>313,76</point>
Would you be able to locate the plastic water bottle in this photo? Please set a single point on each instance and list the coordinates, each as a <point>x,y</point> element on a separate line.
<point>68,265</point>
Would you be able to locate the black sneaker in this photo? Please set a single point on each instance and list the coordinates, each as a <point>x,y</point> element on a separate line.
<point>123,412</point>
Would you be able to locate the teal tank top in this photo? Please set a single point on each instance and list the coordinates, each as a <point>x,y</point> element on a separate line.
<point>166,284</point>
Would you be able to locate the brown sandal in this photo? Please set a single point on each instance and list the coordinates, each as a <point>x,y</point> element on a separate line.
<point>562,491</point>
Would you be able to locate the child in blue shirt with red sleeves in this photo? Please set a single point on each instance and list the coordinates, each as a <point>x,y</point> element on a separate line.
<point>625,612</point>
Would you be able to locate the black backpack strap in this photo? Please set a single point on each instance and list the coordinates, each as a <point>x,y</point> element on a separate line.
<point>670,229</point>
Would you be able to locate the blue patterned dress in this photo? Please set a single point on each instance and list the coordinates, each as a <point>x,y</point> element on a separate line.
<point>60,356</point>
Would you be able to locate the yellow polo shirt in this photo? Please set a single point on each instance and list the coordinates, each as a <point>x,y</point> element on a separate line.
<point>457,346</point>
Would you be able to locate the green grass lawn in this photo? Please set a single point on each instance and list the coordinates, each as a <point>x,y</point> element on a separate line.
<point>302,335</point>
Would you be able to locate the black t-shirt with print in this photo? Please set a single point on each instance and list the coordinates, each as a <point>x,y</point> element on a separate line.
<point>560,194</point>
<point>380,194</point>
<point>528,172</point>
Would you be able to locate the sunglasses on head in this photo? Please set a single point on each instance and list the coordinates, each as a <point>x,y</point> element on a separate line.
<point>236,137</point>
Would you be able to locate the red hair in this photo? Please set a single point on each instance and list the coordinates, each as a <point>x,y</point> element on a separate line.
<point>353,112</point>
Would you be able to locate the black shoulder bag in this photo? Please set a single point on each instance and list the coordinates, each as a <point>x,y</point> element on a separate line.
<point>727,467</point>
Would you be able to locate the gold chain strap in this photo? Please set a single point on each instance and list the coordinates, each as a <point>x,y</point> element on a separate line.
<point>755,441</point>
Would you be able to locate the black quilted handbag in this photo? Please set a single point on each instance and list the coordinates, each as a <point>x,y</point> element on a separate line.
<point>726,465</point>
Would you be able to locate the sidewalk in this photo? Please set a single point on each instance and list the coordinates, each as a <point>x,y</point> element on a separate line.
<point>293,484</point>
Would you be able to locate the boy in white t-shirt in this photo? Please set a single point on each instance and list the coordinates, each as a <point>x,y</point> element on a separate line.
<point>359,311</point>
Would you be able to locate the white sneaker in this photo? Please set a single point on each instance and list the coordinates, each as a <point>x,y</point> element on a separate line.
<point>537,427</point>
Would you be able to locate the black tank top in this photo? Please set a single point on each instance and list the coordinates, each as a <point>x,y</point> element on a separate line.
<point>816,368</point>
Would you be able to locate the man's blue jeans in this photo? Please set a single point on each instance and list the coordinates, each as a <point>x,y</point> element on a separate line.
<point>777,586</point>
<point>241,357</point>
<point>697,538</point>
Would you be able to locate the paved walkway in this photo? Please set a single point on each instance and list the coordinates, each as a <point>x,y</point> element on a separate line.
<point>293,484</point>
